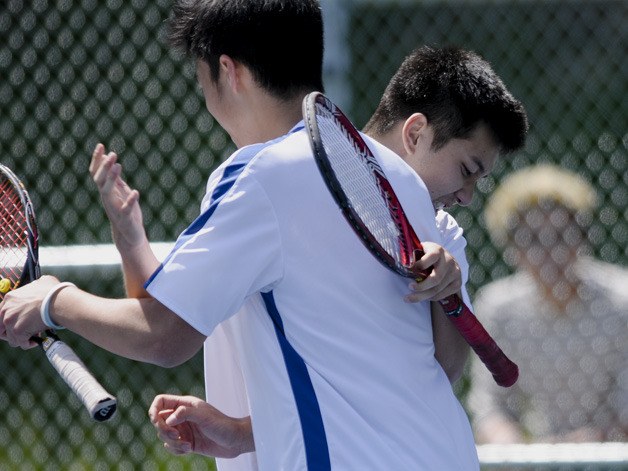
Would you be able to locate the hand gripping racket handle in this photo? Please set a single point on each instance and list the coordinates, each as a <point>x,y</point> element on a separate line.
<point>504,371</point>
<point>100,404</point>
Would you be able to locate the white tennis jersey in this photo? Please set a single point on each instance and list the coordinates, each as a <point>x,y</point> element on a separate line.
<point>339,371</point>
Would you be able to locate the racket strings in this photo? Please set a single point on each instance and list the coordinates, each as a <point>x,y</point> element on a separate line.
<point>14,230</point>
<point>357,178</point>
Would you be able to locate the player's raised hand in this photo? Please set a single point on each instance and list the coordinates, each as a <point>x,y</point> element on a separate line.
<point>120,201</point>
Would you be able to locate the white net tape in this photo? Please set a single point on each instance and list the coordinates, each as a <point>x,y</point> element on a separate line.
<point>563,456</point>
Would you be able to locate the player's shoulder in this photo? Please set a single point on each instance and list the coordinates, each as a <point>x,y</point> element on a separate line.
<point>386,156</point>
<point>264,160</point>
<point>397,170</point>
<point>285,153</point>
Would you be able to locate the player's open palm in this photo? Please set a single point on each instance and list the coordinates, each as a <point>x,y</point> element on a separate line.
<point>187,424</point>
<point>120,201</point>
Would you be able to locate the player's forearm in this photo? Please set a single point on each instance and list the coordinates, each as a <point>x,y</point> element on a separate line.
<point>139,329</point>
<point>243,441</point>
<point>138,264</point>
<point>451,350</point>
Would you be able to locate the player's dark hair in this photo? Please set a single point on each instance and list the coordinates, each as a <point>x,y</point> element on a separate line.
<point>456,90</point>
<point>280,41</point>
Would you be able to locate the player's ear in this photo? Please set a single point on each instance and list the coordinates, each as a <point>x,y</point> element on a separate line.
<point>413,130</point>
<point>231,70</point>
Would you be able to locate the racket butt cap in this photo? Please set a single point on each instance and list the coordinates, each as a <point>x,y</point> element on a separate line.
<point>104,409</point>
<point>509,377</point>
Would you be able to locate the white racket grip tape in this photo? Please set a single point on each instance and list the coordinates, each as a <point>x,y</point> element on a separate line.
<point>100,404</point>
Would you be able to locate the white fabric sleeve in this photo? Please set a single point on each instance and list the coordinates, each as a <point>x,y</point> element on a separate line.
<point>455,243</point>
<point>230,252</point>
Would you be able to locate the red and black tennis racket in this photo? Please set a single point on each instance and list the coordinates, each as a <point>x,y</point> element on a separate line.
<point>371,207</point>
<point>19,265</point>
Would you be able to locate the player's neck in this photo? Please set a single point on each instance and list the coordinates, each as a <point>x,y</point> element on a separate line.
<point>390,139</point>
<point>266,118</point>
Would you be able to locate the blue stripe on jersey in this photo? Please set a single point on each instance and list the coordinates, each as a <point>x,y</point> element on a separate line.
<point>228,179</point>
<point>314,438</point>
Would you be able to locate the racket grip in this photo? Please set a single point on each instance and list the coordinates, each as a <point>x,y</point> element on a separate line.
<point>504,371</point>
<point>100,404</point>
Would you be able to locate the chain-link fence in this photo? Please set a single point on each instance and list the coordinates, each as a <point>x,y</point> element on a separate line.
<point>74,73</point>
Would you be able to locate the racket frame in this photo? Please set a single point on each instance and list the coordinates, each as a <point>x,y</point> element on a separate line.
<point>504,371</point>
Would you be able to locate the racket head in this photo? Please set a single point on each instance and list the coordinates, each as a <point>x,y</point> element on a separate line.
<point>19,259</point>
<point>359,185</point>
<point>366,197</point>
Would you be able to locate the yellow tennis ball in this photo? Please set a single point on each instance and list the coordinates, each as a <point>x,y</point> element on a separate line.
<point>5,285</point>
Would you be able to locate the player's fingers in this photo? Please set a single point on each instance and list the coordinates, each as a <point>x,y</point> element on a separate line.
<point>442,281</point>
<point>178,416</point>
<point>443,269</point>
<point>102,172</point>
<point>133,198</point>
<point>445,291</point>
<point>163,406</point>
<point>94,164</point>
<point>18,339</point>
<point>111,171</point>
<point>435,293</point>
<point>417,296</point>
<point>179,447</point>
<point>165,431</point>
<point>167,434</point>
<point>13,328</point>
<point>157,408</point>
<point>429,259</point>
<point>170,436</point>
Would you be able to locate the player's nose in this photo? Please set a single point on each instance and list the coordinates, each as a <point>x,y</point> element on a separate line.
<point>465,194</point>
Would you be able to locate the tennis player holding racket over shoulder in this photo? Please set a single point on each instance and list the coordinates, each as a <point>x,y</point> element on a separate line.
<point>339,369</point>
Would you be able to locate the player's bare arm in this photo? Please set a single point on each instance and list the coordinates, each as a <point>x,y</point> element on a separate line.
<point>445,279</point>
<point>121,203</point>
<point>139,329</point>
<point>450,349</point>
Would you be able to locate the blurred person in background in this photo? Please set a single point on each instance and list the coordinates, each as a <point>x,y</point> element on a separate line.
<point>562,317</point>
